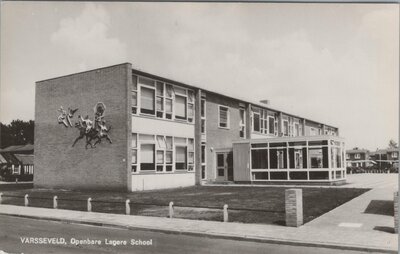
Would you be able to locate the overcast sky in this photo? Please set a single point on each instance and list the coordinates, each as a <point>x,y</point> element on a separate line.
<point>335,63</point>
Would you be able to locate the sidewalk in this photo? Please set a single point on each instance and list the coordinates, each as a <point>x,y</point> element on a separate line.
<point>307,235</point>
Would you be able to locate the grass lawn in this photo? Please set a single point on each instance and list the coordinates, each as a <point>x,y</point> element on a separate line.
<point>270,201</point>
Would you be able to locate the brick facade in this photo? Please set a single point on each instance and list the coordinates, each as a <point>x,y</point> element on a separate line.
<point>57,163</point>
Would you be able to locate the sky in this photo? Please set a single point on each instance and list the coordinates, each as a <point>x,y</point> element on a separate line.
<point>334,63</point>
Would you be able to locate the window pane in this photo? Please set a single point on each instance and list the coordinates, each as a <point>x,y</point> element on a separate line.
<point>160,157</point>
<point>259,159</point>
<point>315,157</point>
<point>160,89</point>
<point>190,110</point>
<point>134,82</point>
<point>256,122</point>
<point>147,100</point>
<point>203,126</point>
<point>147,157</point>
<point>271,125</point>
<point>180,157</point>
<point>203,154</point>
<point>168,105</point>
<point>160,104</point>
<point>134,140</point>
<point>134,98</point>
<point>191,96</point>
<point>146,138</point>
<point>147,153</point>
<point>161,142</point>
<point>168,157</point>
<point>220,160</point>
<point>169,143</point>
<point>180,140</point>
<point>223,117</point>
<point>202,108</point>
<point>191,157</point>
<point>179,90</point>
<point>285,128</point>
<point>170,91</point>
<point>180,107</point>
<point>134,156</point>
<point>146,81</point>
<point>190,144</point>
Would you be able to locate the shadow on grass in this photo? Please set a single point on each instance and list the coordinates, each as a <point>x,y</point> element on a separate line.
<point>380,207</point>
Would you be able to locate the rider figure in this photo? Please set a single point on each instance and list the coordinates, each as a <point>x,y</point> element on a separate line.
<point>87,123</point>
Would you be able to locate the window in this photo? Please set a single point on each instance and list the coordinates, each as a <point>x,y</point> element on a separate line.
<point>259,159</point>
<point>180,107</point>
<point>147,99</point>
<point>313,131</point>
<point>285,128</point>
<point>394,155</point>
<point>203,126</point>
<point>160,99</point>
<point>242,123</point>
<point>134,95</point>
<point>256,122</point>
<point>296,130</point>
<point>180,158</point>
<point>203,108</point>
<point>318,157</point>
<point>203,161</point>
<point>134,153</point>
<point>147,155</point>
<point>347,156</point>
<point>278,158</point>
<point>223,117</point>
<point>357,156</point>
<point>271,125</point>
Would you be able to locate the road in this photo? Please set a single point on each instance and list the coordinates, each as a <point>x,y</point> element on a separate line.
<point>13,228</point>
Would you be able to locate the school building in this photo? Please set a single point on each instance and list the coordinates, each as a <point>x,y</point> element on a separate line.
<point>166,134</point>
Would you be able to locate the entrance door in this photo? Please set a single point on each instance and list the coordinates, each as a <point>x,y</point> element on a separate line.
<point>224,170</point>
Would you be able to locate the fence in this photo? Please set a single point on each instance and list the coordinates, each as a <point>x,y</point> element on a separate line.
<point>222,213</point>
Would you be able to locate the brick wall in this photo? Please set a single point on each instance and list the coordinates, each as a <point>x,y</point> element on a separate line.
<point>57,163</point>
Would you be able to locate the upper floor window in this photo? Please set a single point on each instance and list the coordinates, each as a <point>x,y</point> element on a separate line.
<point>256,122</point>
<point>347,156</point>
<point>394,155</point>
<point>162,100</point>
<point>357,156</point>
<point>285,128</point>
<point>242,123</point>
<point>271,125</point>
<point>223,117</point>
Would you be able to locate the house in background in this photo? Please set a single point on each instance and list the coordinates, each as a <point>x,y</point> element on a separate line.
<point>168,134</point>
<point>16,163</point>
<point>386,158</point>
<point>358,158</point>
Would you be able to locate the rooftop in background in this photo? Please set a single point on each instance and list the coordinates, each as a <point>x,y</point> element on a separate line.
<point>358,151</point>
<point>18,148</point>
<point>25,158</point>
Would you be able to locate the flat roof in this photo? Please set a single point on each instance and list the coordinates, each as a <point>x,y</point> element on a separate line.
<point>289,139</point>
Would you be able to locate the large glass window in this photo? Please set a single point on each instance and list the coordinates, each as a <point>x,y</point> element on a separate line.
<point>278,158</point>
<point>180,158</point>
<point>147,157</point>
<point>147,99</point>
<point>259,159</point>
<point>223,117</point>
<point>180,107</point>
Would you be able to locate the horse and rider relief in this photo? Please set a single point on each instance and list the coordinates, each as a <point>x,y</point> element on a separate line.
<point>89,129</point>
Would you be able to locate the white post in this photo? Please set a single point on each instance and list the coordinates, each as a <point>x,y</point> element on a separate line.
<point>89,204</point>
<point>55,202</point>
<point>127,207</point>
<point>26,200</point>
<point>294,207</point>
<point>1,196</point>
<point>225,213</point>
<point>171,209</point>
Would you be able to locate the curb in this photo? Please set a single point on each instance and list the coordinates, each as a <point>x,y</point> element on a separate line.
<point>213,235</point>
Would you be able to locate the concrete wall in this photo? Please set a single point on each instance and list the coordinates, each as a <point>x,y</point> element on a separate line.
<point>57,163</point>
<point>241,161</point>
<point>162,181</point>
<point>219,138</point>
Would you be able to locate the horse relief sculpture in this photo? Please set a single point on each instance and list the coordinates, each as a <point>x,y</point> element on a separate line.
<point>88,129</point>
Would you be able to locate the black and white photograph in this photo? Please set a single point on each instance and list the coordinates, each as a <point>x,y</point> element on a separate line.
<point>199,127</point>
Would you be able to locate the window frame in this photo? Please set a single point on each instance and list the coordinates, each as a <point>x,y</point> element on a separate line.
<point>227,117</point>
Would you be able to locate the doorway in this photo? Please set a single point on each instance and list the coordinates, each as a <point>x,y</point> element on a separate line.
<point>224,166</point>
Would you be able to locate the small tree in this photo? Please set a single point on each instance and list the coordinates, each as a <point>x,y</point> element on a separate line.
<point>393,144</point>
